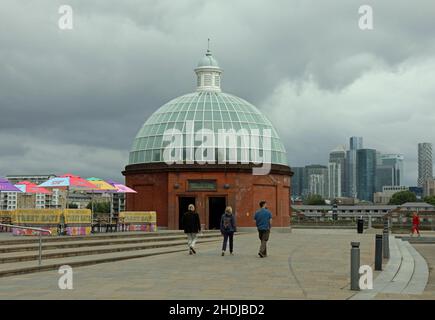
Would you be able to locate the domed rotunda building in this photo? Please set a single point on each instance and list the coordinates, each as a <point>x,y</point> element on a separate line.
<point>211,149</point>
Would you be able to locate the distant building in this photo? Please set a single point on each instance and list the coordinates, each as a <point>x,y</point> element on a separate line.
<point>35,178</point>
<point>395,161</point>
<point>118,203</point>
<point>425,170</point>
<point>418,191</point>
<point>8,200</point>
<point>336,172</point>
<point>343,210</point>
<point>316,180</point>
<point>429,188</point>
<point>297,182</point>
<point>417,207</point>
<point>384,177</point>
<point>34,201</point>
<point>366,172</point>
<point>355,144</point>
<point>387,193</point>
<point>317,184</point>
<point>334,180</point>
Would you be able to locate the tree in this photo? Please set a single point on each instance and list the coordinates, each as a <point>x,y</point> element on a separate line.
<point>99,207</point>
<point>314,199</point>
<point>402,197</point>
<point>430,200</point>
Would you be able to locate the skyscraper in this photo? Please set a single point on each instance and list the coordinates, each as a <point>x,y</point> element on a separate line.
<point>366,173</point>
<point>316,180</point>
<point>334,180</point>
<point>297,182</point>
<point>384,177</point>
<point>336,172</point>
<point>425,170</point>
<point>355,143</point>
<point>395,161</point>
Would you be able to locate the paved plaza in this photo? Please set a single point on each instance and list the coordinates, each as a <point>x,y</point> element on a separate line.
<point>304,264</point>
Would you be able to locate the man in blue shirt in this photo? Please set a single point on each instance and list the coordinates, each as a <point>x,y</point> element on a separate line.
<point>263,219</point>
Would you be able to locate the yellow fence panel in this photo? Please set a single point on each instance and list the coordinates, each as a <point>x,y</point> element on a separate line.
<point>138,216</point>
<point>78,216</point>
<point>37,216</point>
<point>6,213</point>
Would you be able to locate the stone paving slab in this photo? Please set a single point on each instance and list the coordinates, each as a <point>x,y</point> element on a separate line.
<point>304,264</point>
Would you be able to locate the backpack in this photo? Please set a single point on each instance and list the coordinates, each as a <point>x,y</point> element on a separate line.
<point>227,222</point>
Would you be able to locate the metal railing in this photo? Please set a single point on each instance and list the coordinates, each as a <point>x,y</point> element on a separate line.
<point>34,229</point>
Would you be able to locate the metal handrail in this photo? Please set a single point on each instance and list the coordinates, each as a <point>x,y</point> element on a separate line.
<point>31,228</point>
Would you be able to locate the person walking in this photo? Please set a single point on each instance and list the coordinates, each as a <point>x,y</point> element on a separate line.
<point>415,224</point>
<point>263,220</point>
<point>192,226</point>
<point>228,227</point>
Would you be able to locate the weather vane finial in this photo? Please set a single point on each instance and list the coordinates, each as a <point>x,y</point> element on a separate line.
<point>208,44</point>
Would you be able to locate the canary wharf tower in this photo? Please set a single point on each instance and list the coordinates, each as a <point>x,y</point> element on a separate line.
<point>169,187</point>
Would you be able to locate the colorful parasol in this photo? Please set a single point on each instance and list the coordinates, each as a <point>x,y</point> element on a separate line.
<point>69,181</point>
<point>29,187</point>
<point>6,186</point>
<point>101,184</point>
<point>120,187</point>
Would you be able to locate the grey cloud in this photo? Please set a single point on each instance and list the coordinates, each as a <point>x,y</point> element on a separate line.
<point>93,87</point>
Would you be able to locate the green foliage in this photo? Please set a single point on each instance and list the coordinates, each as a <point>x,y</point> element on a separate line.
<point>314,199</point>
<point>402,197</point>
<point>430,200</point>
<point>100,207</point>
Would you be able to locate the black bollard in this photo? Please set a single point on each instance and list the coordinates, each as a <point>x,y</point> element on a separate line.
<point>354,266</point>
<point>378,253</point>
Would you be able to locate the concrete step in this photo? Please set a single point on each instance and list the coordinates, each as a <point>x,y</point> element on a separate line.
<point>420,240</point>
<point>95,236</point>
<point>405,273</point>
<point>94,242</point>
<point>420,276</point>
<point>101,249</point>
<point>23,267</point>
<point>74,262</point>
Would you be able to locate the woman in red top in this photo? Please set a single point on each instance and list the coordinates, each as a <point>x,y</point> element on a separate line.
<point>415,224</point>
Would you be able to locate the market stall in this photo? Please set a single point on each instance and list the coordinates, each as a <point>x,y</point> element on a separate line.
<point>6,218</point>
<point>77,222</point>
<point>39,218</point>
<point>138,221</point>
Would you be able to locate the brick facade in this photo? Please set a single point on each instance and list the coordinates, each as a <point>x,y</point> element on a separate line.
<point>160,189</point>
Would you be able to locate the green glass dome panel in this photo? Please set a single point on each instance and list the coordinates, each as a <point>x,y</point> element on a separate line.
<point>207,110</point>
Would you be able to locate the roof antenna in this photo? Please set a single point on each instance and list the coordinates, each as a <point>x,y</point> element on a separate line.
<point>208,46</point>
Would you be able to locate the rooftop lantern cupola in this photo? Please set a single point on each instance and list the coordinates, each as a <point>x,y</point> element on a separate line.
<point>208,74</point>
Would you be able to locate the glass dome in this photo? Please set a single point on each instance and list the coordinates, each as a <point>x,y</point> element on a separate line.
<point>211,109</point>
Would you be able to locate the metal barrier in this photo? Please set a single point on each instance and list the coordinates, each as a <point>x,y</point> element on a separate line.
<point>31,228</point>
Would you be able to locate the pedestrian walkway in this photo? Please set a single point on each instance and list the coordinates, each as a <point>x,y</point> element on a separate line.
<point>304,264</point>
<point>406,273</point>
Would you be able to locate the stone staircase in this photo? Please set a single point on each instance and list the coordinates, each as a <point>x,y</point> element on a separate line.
<point>405,273</point>
<point>20,255</point>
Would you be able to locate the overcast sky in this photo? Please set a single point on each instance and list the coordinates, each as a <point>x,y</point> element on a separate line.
<point>73,100</point>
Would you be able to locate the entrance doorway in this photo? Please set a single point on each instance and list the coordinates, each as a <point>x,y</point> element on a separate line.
<point>183,205</point>
<point>216,208</point>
